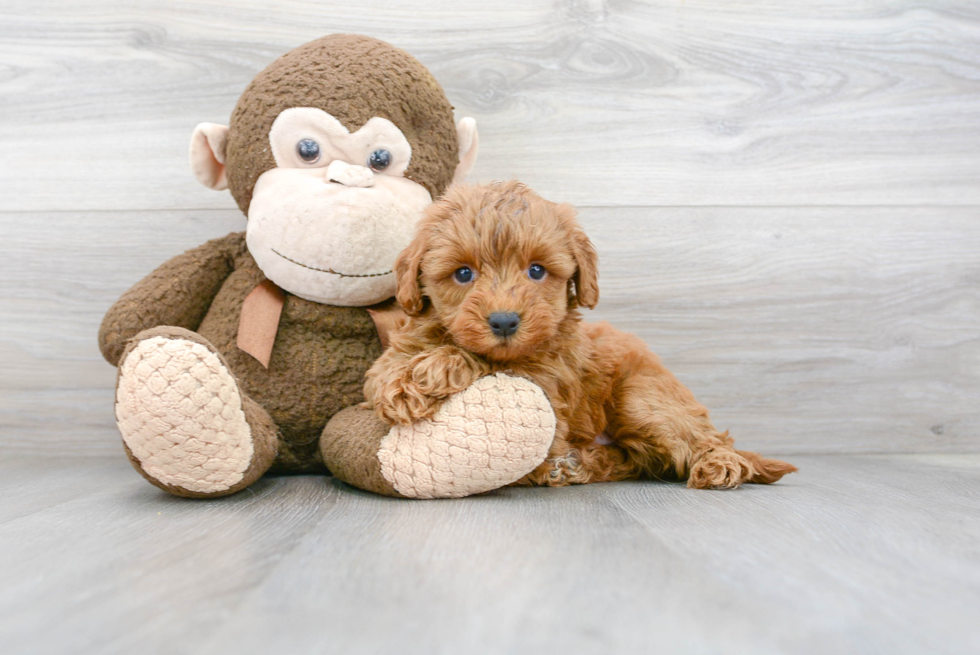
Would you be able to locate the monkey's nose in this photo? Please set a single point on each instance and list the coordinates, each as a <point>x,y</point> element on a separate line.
<point>349,174</point>
<point>504,324</point>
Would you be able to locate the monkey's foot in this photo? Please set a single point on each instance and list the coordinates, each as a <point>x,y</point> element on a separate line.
<point>183,419</point>
<point>489,435</point>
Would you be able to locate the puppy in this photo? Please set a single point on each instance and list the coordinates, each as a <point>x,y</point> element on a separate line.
<point>492,282</point>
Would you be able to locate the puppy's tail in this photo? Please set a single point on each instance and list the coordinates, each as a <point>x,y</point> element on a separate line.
<point>766,471</point>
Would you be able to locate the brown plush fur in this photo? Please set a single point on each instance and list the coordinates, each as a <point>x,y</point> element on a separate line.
<point>621,414</point>
<point>354,78</point>
<point>321,351</point>
<point>318,363</point>
<point>350,443</point>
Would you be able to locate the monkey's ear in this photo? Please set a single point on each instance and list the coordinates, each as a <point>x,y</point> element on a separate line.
<point>469,144</point>
<point>586,276</point>
<point>408,268</point>
<point>208,145</point>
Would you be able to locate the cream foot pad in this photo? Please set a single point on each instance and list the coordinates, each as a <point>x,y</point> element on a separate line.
<point>180,413</point>
<point>493,433</point>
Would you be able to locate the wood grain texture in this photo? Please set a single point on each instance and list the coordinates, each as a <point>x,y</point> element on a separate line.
<point>785,201</point>
<point>870,554</point>
<point>59,273</point>
<point>856,102</point>
<point>808,330</point>
<point>815,330</point>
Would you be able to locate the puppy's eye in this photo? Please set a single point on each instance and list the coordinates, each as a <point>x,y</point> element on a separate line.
<point>463,275</point>
<point>308,150</point>
<point>536,271</point>
<point>379,160</point>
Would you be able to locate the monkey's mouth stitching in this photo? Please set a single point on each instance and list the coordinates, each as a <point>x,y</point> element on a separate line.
<point>328,270</point>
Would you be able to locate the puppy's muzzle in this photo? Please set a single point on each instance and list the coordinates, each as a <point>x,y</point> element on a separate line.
<point>504,324</point>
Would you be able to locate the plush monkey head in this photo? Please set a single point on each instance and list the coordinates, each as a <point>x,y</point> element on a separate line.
<point>333,153</point>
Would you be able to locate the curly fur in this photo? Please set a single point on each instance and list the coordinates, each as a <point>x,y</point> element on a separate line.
<point>621,414</point>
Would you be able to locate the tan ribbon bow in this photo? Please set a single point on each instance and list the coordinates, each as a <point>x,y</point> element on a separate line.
<point>259,321</point>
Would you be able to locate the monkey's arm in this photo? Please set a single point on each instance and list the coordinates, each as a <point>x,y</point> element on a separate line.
<point>178,293</point>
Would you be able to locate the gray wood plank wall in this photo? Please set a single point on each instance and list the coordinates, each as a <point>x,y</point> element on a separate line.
<point>785,196</point>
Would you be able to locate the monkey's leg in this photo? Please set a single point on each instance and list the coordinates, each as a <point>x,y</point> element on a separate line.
<point>487,436</point>
<point>185,424</point>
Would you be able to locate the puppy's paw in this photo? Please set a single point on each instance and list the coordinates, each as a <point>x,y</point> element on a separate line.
<point>441,372</point>
<point>414,389</point>
<point>398,399</point>
<point>562,471</point>
<point>719,468</point>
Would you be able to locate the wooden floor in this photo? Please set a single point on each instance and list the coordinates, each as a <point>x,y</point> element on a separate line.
<point>855,554</point>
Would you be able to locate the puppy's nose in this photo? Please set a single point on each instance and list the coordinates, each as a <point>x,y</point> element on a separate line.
<point>504,324</point>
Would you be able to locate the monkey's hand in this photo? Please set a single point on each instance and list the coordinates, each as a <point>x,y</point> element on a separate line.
<point>405,389</point>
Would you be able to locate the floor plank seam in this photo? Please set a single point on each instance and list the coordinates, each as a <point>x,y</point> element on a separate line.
<point>147,210</point>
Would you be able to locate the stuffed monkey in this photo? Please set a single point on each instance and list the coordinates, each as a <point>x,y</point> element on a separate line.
<point>234,356</point>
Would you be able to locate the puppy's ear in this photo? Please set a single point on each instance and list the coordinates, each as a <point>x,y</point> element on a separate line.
<point>586,276</point>
<point>408,268</point>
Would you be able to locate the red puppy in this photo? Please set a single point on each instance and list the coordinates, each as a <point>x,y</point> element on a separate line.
<point>491,283</point>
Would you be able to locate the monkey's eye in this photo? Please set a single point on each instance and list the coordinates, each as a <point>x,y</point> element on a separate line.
<point>308,150</point>
<point>379,160</point>
<point>536,271</point>
<point>463,275</point>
